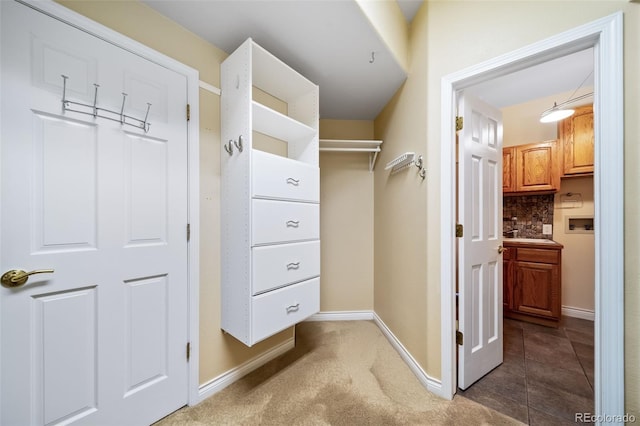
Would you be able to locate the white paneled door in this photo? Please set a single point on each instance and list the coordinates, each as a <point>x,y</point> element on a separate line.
<point>100,337</point>
<point>480,262</point>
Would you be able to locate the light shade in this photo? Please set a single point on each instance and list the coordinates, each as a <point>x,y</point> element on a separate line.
<point>555,114</point>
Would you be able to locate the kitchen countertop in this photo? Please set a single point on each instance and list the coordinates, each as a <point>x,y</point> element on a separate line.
<point>531,242</point>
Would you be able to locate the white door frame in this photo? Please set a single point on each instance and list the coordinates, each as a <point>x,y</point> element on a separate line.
<point>606,37</point>
<point>193,158</point>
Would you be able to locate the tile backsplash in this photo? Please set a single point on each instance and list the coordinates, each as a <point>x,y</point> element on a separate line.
<point>530,211</point>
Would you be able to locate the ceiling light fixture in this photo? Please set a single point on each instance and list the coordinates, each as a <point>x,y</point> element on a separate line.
<point>557,112</point>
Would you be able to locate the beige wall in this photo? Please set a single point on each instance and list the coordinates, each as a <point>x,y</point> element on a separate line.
<point>346,220</point>
<point>387,19</point>
<point>521,122</point>
<point>218,352</point>
<point>522,125</point>
<point>445,37</point>
<point>578,268</point>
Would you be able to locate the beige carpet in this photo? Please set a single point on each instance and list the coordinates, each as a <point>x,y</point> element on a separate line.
<point>340,373</point>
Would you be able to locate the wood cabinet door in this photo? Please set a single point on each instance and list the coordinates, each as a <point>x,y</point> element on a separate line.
<point>509,169</point>
<point>537,289</point>
<point>507,283</point>
<point>576,134</point>
<point>536,167</point>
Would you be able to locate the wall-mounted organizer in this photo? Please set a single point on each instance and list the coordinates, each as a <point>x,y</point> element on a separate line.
<point>346,145</point>
<point>578,225</point>
<point>270,203</point>
<point>406,160</point>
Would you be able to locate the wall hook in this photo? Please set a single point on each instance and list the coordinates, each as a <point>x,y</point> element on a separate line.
<point>229,147</point>
<point>373,57</point>
<point>239,143</point>
<point>418,162</point>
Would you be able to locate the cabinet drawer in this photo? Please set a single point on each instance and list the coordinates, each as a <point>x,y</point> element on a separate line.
<point>282,264</point>
<point>279,177</point>
<point>538,255</point>
<point>278,309</point>
<point>283,221</point>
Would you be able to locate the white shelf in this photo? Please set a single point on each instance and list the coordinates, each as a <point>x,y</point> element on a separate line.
<point>348,145</point>
<point>279,126</point>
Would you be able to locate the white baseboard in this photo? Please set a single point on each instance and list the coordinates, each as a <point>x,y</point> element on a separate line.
<point>225,379</point>
<point>433,385</point>
<point>342,316</point>
<point>587,314</point>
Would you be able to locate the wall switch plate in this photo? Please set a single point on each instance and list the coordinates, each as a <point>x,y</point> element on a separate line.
<point>547,229</point>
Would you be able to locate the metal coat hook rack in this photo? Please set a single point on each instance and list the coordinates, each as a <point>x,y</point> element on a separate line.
<point>108,114</point>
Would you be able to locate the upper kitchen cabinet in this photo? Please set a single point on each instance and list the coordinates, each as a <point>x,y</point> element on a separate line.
<point>535,169</point>
<point>576,136</point>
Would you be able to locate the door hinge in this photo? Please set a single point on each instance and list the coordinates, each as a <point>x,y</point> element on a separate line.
<point>459,337</point>
<point>188,350</point>
<point>459,230</point>
<point>188,112</point>
<point>188,232</point>
<point>459,123</point>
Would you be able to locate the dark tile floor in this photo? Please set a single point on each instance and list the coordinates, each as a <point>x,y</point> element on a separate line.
<point>546,376</point>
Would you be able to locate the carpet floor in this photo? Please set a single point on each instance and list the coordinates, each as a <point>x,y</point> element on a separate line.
<point>339,373</point>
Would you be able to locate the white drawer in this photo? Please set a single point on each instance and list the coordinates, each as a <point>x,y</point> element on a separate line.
<point>279,177</point>
<point>282,264</point>
<point>278,309</point>
<point>284,221</point>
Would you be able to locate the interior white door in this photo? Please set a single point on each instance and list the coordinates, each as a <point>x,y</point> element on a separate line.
<point>102,338</point>
<point>479,262</point>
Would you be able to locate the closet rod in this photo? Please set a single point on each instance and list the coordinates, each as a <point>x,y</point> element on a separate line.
<point>351,149</point>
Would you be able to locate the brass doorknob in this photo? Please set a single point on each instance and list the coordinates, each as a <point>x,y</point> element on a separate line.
<point>501,249</point>
<point>17,277</point>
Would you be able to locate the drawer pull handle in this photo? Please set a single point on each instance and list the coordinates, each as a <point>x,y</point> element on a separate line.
<point>293,265</point>
<point>293,308</point>
<point>292,181</point>
<point>293,223</point>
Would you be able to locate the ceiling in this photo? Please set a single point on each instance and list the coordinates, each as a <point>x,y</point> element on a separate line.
<point>334,45</point>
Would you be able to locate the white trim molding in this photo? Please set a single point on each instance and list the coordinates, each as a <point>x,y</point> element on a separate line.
<point>586,314</point>
<point>605,35</point>
<point>432,385</point>
<point>227,378</point>
<point>342,316</point>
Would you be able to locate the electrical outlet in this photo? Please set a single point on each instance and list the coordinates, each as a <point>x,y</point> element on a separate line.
<point>547,229</point>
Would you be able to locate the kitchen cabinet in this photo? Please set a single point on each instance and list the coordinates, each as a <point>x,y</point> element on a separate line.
<point>509,169</point>
<point>507,279</point>
<point>270,204</point>
<point>536,168</point>
<point>576,138</point>
<point>532,282</point>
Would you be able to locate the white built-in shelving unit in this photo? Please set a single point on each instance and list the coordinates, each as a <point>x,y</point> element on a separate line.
<point>270,203</point>
<point>347,145</point>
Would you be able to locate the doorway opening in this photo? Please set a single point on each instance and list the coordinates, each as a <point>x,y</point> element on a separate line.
<point>605,37</point>
<point>546,372</point>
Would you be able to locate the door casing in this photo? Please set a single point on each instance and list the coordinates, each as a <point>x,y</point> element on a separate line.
<point>193,158</point>
<point>605,35</point>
